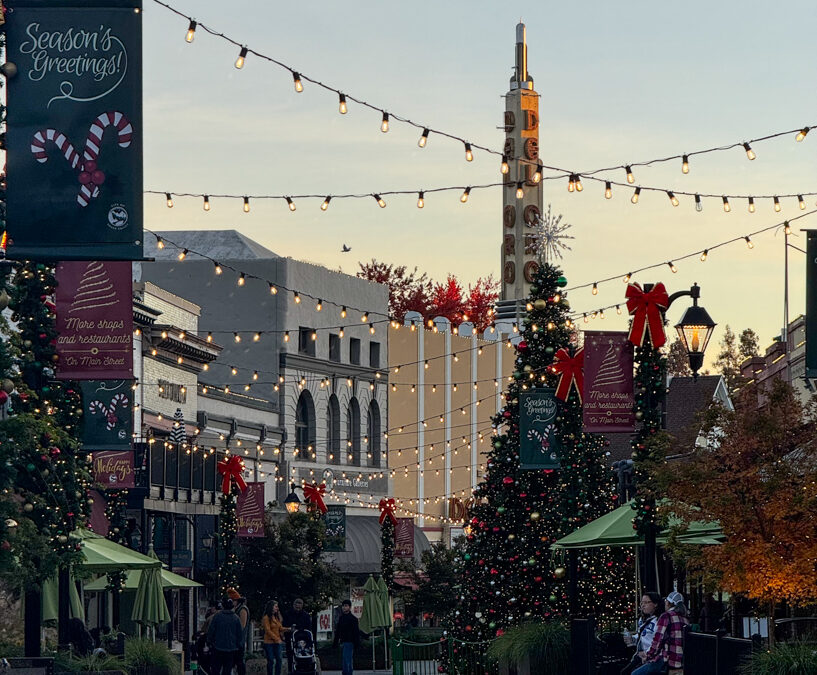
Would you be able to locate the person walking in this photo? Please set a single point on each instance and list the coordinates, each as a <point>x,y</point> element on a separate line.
<point>347,633</point>
<point>645,630</point>
<point>243,614</point>
<point>296,619</point>
<point>274,629</point>
<point>667,648</point>
<point>224,636</point>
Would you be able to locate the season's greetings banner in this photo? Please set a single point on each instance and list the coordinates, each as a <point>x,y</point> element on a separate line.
<point>74,132</point>
<point>113,469</point>
<point>608,382</point>
<point>404,538</point>
<point>538,445</point>
<point>249,510</point>
<point>94,321</point>
<point>107,422</point>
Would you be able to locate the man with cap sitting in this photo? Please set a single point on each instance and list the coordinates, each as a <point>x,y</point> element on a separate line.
<point>667,649</point>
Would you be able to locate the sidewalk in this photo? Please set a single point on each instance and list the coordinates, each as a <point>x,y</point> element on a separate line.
<point>358,671</point>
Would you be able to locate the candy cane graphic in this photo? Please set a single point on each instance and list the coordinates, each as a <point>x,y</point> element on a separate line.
<point>90,177</point>
<point>109,413</point>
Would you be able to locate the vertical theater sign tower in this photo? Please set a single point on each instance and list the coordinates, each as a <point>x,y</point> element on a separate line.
<point>521,196</point>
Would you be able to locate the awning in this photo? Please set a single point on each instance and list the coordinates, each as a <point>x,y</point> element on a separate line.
<point>616,529</point>
<point>103,555</point>
<point>362,554</point>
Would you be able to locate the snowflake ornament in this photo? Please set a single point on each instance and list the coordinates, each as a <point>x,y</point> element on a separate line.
<point>551,236</point>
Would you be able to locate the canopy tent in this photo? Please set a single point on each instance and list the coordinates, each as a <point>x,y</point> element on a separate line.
<point>616,529</point>
<point>102,555</point>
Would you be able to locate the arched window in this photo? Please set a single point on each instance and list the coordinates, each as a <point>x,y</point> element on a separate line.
<point>353,432</point>
<point>373,432</point>
<point>333,451</point>
<point>305,427</point>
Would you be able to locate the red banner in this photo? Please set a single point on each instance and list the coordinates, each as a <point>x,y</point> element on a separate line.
<point>608,382</point>
<point>404,538</point>
<point>113,469</point>
<point>94,321</point>
<point>249,510</point>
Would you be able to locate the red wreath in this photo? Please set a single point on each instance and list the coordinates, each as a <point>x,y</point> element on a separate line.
<point>232,468</point>
<point>314,495</point>
<point>572,372</point>
<point>387,507</point>
<point>646,310</point>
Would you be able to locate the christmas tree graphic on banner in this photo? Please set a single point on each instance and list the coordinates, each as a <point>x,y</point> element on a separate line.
<point>95,290</point>
<point>610,370</point>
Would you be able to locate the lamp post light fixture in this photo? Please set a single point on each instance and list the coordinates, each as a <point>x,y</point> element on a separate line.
<point>292,503</point>
<point>694,329</point>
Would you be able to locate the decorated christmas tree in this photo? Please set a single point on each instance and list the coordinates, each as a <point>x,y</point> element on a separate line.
<point>509,574</point>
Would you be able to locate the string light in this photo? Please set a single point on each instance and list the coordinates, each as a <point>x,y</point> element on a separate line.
<point>206,204</point>
<point>160,243</point>
<point>608,190</point>
<point>218,268</point>
<point>801,203</point>
<point>169,200</point>
<point>246,204</point>
<point>343,312</point>
<point>342,104</point>
<point>384,125</point>
<point>630,177</point>
<point>726,206</point>
<point>786,227</point>
<point>421,202</point>
<point>751,204</point>
<point>749,243</point>
<point>290,203</point>
<point>595,290</point>
<point>242,279</point>
<point>272,289</point>
<point>325,204</point>
<point>191,31</point>
<point>423,139</point>
<point>672,266</point>
<point>183,254</point>
<point>464,196</point>
<point>296,297</point>
<point>802,134</point>
<point>537,175</point>
<point>504,168</point>
<point>286,336</point>
<point>634,198</point>
<point>673,199</point>
<point>239,62</point>
<point>520,193</point>
<point>685,164</point>
<point>296,79</point>
<point>704,254</point>
<point>777,205</point>
<point>626,278</point>
<point>749,152</point>
<point>236,337</point>
<point>379,200</point>
<point>698,204</point>
<point>578,181</point>
<point>319,305</point>
<point>469,155</point>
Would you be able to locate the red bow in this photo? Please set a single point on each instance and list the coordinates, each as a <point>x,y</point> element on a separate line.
<point>645,309</point>
<point>387,510</point>
<point>232,468</point>
<point>572,372</point>
<point>314,495</point>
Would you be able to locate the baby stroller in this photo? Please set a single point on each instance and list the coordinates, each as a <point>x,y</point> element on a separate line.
<point>303,653</point>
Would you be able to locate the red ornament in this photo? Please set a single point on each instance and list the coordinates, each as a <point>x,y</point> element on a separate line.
<point>507,480</point>
<point>522,345</point>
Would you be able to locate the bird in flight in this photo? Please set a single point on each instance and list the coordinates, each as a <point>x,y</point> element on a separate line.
<point>345,249</point>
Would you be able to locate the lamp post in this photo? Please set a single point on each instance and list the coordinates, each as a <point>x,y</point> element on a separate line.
<point>292,503</point>
<point>694,329</point>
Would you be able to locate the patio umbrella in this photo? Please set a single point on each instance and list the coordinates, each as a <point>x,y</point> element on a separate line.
<point>149,606</point>
<point>102,555</point>
<point>376,613</point>
<point>170,581</point>
<point>50,600</point>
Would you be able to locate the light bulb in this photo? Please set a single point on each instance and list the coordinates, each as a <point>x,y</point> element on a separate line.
<point>698,203</point>
<point>160,243</point>
<point>286,336</point>
<point>786,227</point>
<point>801,203</point>
<point>627,277</point>
<point>504,168</point>
<point>672,266</point>
<point>673,199</point>
<point>273,290</point>
<point>537,175</point>
<point>704,254</point>
<point>239,62</point>
<point>421,202</point>
<point>578,180</point>
<point>325,204</point>
<point>726,206</point>
<point>342,104</point>
<point>777,205</point>
<point>520,193</point>
<point>191,31</point>
<point>384,125</point>
<point>685,164</point>
<point>242,279</point>
<point>246,204</point>
<point>183,254</point>
<point>749,152</point>
<point>218,268</point>
<point>634,198</point>
<point>423,139</point>
<point>630,177</point>
<point>571,184</point>
<point>343,312</point>
<point>379,200</point>
<point>319,305</point>
<point>206,204</point>
<point>296,78</point>
<point>749,243</point>
<point>169,200</point>
<point>236,337</point>
<point>290,203</point>
<point>469,156</point>
<point>464,195</point>
<point>296,297</point>
<point>608,190</point>
<point>595,290</point>
<point>618,309</point>
<point>371,328</point>
<point>751,204</point>
<point>801,134</point>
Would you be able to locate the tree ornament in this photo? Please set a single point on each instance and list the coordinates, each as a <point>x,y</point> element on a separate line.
<point>540,304</point>
<point>561,282</point>
<point>559,572</point>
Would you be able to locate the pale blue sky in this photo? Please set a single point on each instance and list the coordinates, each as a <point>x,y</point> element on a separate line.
<point>619,82</point>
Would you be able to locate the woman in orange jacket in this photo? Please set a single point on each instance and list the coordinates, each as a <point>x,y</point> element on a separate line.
<point>274,630</point>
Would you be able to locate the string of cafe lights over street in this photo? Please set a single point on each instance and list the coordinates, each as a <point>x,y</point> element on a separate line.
<point>299,78</point>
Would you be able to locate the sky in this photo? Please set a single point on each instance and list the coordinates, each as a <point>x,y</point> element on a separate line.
<point>619,83</point>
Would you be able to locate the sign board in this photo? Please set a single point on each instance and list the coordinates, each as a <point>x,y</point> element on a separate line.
<point>358,593</point>
<point>74,129</point>
<point>113,469</point>
<point>538,445</point>
<point>182,559</point>
<point>608,382</point>
<point>335,519</point>
<point>404,538</point>
<point>324,623</point>
<point>107,421</point>
<point>249,510</point>
<point>94,321</point>
<point>811,304</point>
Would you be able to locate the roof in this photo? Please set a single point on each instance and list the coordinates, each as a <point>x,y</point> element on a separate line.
<point>687,397</point>
<point>362,555</point>
<point>217,244</point>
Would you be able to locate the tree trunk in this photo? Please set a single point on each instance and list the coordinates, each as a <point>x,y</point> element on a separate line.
<point>771,624</point>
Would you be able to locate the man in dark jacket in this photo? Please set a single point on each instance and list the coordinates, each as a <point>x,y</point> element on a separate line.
<point>224,635</point>
<point>296,619</point>
<point>347,633</point>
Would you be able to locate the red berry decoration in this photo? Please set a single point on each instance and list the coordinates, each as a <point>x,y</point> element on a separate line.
<point>90,166</point>
<point>98,177</point>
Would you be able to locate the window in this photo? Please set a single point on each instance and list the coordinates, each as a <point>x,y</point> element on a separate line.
<point>354,351</point>
<point>334,347</point>
<point>305,427</point>
<point>333,430</point>
<point>353,432</point>
<point>373,432</point>
<point>306,341</point>
<point>374,354</point>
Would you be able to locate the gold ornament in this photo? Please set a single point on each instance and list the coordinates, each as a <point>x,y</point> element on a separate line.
<point>540,304</point>
<point>534,515</point>
<point>559,572</point>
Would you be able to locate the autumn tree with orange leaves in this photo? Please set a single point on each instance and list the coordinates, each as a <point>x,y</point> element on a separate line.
<point>758,478</point>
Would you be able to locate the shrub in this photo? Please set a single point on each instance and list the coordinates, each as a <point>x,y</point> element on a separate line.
<point>795,658</point>
<point>66,663</point>
<point>547,645</point>
<point>144,656</point>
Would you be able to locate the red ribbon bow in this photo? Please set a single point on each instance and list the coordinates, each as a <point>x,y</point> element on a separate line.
<point>387,507</point>
<point>572,372</point>
<point>646,309</point>
<point>314,495</point>
<point>232,468</point>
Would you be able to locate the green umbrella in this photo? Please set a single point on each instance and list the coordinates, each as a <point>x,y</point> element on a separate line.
<point>170,581</point>
<point>149,606</point>
<point>103,555</point>
<point>50,600</point>
<point>376,609</point>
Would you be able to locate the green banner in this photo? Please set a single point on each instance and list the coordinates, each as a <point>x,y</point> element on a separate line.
<point>335,519</point>
<point>538,445</point>
<point>811,303</point>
